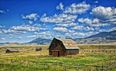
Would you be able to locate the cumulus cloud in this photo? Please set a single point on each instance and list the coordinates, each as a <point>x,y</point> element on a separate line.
<point>108,14</point>
<point>59,19</point>
<point>66,24</point>
<point>84,28</point>
<point>20,29</point>
<point>78,27</point>
<point>1,11</point>
<point>96,1</point>
<point>25,28</point>
<point>68,16</point>
<point>60,6</point>
<point>95,22</point>
<point>113,21</point>
<point>45,34</point>
<point>77,8</point>
<point>60,29</point>
<point>85,20</point>
<point>32,36</point>
<point>33,16</point>
<point>89,21</point>
<point>2,39</point>
<point>104,12</point>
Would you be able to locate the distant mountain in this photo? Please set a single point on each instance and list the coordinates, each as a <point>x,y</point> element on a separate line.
<point>108,35</point>
<point>40,41</point>
<point>102,37</point>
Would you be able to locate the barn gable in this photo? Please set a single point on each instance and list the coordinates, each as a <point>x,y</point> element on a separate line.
<point>55,42</point>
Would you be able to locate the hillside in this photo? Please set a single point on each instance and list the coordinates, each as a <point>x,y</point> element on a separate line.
<point>41,41</point>
<point>102,37</point>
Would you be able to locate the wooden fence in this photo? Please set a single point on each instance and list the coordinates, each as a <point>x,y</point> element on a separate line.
<point>98,51</point>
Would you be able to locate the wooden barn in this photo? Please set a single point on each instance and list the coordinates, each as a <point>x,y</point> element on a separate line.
<point>63,47</point>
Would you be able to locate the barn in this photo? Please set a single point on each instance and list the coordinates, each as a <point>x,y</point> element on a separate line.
<point>62,47</point>
<point>9,50</point>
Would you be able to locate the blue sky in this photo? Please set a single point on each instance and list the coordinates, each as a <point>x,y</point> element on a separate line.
<point>24,20</point>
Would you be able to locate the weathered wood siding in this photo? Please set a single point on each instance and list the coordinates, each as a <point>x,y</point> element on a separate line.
<point>72,51</point>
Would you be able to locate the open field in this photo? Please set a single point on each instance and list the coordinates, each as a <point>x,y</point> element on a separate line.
<point>91,58</point>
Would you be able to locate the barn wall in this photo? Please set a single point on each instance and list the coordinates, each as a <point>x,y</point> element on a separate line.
<point>57,53</point>
<point>72,51</point>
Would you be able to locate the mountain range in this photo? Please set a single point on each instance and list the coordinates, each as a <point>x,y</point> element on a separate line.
<point>102,37</point>
<point>40,41</point>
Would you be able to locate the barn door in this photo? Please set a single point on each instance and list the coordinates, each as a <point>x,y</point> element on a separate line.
<point>58,53</point>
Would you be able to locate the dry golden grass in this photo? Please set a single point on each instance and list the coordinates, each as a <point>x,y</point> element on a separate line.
<point>30,60</point>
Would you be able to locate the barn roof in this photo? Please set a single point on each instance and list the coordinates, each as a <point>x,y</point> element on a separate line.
<point>11,49</point>
<point>69,43</point>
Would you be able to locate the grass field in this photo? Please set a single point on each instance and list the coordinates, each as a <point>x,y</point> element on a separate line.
<point>30,60</point>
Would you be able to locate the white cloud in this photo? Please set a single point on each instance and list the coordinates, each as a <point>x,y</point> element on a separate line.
<point>1,29</point>
<point>78,27</point>
<point>114,28</point>
<point>60,29</point>
<point>84,28</point>
<point>61,19</point>
<point>1,32</point>
<point>32,36</point>
<point>32,16</point>
<point>111,20</point>
<point>95,22</point>
<point>66,24</point>
<point>2,39</point>
<point>25,28</point>
<point>30,22</point>
<point>104,12</point>
<point>20,29</point>
<point>84,34</point>
<point>85,20</point>
<point>68,16</point>
<point>91,22</point>
<point>77,8</point>
<point>1,11</point>
<point>60,7</point>
<point>45,34</point>
<point>79,34</point>
<point>96,1</point>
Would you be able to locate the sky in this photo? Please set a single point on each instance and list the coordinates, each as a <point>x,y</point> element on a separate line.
<point>25,20</point>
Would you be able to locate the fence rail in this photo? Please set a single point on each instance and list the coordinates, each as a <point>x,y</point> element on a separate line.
<point>98,51</point>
